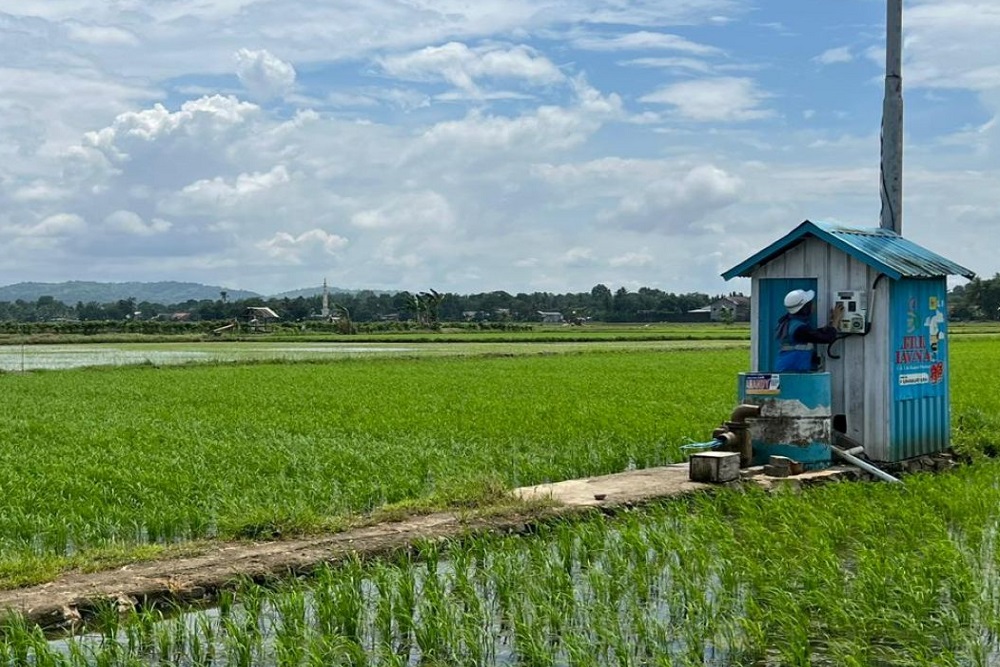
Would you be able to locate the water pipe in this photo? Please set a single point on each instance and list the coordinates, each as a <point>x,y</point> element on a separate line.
<point>700,446</point>
<point>864,465</point>
<point>741,412</point>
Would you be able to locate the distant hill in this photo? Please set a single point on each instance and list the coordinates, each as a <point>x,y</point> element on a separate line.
<point>307,292</point>
<point>159,292</point>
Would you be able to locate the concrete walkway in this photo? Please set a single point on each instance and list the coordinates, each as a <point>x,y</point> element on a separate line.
<point>74,596</point>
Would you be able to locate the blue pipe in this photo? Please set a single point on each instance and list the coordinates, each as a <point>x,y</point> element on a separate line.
<point>711,444</point>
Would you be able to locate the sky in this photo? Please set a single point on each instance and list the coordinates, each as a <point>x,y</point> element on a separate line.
<point>517,145</point>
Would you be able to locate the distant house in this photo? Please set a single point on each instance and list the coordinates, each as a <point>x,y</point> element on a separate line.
<point>180,317</point>
<point>738,306</point>
<point>703,314</point>
<point>260,318</point>
<point>551,317</point>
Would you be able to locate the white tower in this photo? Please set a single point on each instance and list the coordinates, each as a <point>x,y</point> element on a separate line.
<point>326,301</point>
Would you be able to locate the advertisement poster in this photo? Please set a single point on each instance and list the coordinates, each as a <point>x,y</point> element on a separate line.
<point>919,351</point>
<point>762,384</point>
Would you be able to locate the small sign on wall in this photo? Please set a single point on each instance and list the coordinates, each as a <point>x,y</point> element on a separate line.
<point>762,384</point>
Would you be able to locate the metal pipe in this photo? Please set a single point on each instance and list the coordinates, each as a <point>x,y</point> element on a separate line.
<point>864,465</point>
<point>741,412</point>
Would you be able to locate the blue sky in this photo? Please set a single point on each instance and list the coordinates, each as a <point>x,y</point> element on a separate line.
<point>521,145</point>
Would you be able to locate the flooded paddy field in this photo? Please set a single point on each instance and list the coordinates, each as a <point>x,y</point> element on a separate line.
<point>847,574</point>
<point>102,466</point>
<point>14,358</point>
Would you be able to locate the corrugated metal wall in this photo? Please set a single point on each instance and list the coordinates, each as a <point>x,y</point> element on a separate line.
<point>921,395</point>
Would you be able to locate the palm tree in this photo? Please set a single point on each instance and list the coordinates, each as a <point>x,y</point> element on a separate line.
<point>431,304</point>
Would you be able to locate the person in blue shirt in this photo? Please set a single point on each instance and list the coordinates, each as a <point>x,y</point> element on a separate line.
<point>797,335</point>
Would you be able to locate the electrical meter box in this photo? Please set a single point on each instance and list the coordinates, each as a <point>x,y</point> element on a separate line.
<point>855,304</point>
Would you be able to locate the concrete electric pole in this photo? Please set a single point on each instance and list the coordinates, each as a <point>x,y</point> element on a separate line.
<point>892,122</point>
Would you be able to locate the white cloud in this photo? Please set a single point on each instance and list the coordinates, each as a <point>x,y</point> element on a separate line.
<point>723,99</point>
<point>290,249</point>
<point>630,260</point>
<point>644,41</point>
<point>460,145</point>
<point>462,67</point>
<point>131,223</point>
<point>263,74</point>
<point>672,205</point>
<point>679,64</point>
<point>204,119</point>
<point>419,210</point>
<point>53,226</point>
<point>101,35</point>
<point>578,256</point>
<point>841,54</point>
<point>218,192</point>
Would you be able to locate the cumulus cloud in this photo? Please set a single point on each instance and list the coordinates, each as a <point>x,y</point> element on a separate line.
<point>264,75</point>
<point>204,119</point>
<point>53,226</point>
<point>673,205</point>
<point>529,177</point>
<point>462,66</point>
<point>131,223</point>
<point>220,192</point>
<point>291,249</point>
<point>418,210</point>
<point>725,99</point>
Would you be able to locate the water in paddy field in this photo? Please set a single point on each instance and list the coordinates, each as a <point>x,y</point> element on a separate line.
<point>571,600</point>
<point>54,357</point>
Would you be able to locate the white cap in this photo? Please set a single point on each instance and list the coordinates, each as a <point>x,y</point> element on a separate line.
<point>797,298</point>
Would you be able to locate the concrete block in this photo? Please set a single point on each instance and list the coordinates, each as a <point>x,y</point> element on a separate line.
<point>715,467</point>
<point>792,466</point>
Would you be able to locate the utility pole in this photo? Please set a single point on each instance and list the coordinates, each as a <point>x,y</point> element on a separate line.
<point>892,122</point>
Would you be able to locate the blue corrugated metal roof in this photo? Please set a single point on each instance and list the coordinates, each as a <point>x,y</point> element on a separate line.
<point>882,249</point>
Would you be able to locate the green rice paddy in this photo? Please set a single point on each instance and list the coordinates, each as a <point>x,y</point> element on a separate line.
<point>848,574</point>
<point>101,464</point>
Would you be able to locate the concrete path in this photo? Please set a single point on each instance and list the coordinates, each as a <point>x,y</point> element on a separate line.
<point>73,597</point>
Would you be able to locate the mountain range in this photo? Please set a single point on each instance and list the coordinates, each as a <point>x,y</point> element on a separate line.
<point>165,292</point>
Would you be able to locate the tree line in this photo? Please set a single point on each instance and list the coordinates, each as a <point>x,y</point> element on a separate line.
<point>426,307</point>
<point>978,299</point>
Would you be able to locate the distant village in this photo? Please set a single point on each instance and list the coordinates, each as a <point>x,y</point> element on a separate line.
<point>599,304</point>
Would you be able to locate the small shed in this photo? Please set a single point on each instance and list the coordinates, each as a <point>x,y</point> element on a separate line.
<point>260,318</point>
<point>889,374</point>
<point>737,306</point>
<point>551,317</point>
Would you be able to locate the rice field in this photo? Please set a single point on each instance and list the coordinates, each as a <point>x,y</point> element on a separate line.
<point>113,459</point>
<point>848,574</point>
<point>101,464</point>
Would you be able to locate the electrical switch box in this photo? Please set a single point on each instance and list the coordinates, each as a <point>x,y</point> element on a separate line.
<point>855,315</point>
